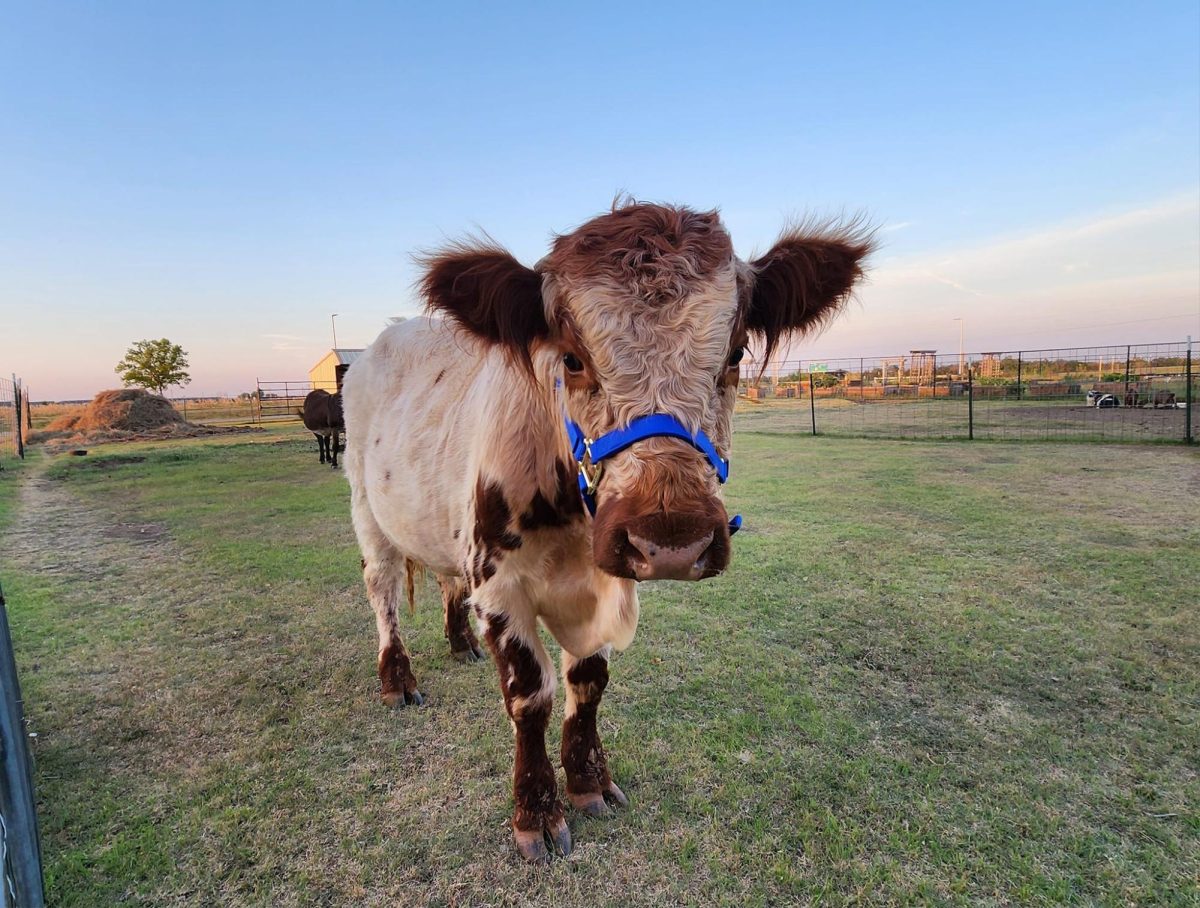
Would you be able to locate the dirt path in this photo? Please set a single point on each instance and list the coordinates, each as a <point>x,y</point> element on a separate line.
<point>61,534</point>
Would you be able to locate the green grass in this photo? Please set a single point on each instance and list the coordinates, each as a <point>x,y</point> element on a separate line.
<point>935,673</point>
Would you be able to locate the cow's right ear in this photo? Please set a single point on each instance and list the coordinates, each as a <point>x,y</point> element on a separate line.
<point>489,293</point>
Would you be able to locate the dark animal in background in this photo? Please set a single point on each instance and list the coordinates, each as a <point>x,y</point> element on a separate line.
<point>1135,399</point>
<point>1164,399</point>
<point>322,415</point>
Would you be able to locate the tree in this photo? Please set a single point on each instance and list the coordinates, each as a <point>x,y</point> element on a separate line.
<point>154,365</point>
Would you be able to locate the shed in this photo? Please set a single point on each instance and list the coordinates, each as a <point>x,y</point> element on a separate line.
<point>330,368</point>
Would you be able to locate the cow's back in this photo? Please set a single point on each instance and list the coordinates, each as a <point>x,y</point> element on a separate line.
<point>413,411</point>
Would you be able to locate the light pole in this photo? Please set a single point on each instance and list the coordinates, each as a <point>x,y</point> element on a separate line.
<point>333,325</point>
<point>962,366</point>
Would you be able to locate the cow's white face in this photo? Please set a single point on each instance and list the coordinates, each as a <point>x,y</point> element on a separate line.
<point>647,310</point>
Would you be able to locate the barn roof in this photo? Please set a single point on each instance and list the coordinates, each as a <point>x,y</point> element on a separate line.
<point>345,355</point>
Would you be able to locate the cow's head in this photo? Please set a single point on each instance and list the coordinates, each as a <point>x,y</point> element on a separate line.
<point>647,310</point>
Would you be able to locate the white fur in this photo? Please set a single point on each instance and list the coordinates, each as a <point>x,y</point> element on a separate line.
<point>415,450</point>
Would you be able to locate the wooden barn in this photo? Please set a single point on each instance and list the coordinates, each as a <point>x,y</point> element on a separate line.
<point>330,368</point>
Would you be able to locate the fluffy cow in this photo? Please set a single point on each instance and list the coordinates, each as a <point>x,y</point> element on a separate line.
<point>471,433</point>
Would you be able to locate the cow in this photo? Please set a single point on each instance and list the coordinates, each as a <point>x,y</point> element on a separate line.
<point>322,415</point>
<point>602,378</point>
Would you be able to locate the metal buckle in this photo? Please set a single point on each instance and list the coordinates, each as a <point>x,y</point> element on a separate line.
<point>585,464</point>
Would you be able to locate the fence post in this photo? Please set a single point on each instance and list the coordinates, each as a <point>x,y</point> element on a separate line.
<point>1127,348</point>
<point>812,401</point>
<point>862,382</point>
<point>17,421</point>
<point>970,405</point>
<point>23,853</point>
<point>1187,407</point>
<point>1018,375</point>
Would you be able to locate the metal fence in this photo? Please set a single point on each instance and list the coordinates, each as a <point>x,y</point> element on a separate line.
<point>20,851</point>
<point>281,400</point>
<point>12,418</point>
<point>1123,393</point>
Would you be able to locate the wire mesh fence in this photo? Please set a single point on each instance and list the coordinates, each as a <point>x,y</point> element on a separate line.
<point>10,418</point>
<point>1125,393</point>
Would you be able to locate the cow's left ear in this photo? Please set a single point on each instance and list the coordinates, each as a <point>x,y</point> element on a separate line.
<point>803,281</point>
<point>488,292</point>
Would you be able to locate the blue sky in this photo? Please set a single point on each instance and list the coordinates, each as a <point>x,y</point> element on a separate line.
<point>228,175</point>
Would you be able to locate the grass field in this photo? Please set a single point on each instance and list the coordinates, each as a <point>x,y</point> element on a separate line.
<point>935,673</point>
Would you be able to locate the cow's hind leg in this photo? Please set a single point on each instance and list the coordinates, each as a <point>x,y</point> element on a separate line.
<point>527,682</point>
<point>463,645</point>
<point>334,447</point>
<point>320,445</point>
<point>588,781</point>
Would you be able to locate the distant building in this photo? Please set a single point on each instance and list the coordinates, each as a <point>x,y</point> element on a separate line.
<point>328,371</point>
<point>924,362</point>
<point>989,366</point>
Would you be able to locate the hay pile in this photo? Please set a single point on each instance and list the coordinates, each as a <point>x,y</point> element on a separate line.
<point>123,410</point>
<point>125,414</point>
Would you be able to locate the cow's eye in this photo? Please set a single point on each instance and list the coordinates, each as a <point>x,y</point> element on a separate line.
<point>573,364</point>
<point>736,356</point>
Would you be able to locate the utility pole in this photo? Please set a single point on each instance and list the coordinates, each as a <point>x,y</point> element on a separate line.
<point>962,366</point>
<point>333,324</point>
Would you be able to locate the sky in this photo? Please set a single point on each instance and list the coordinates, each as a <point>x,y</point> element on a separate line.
<point>229,175</point>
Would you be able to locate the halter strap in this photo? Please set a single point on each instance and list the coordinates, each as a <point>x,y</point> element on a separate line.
<point>590,453</point>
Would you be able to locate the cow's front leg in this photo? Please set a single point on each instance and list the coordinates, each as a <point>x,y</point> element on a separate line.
<point>527,682</point>
<point>588,781</point>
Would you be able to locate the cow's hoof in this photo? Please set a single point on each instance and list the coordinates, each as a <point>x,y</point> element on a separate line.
<point>532,843</point>
<point>470,654</point>
<point>397,699</point>
<point>594,803</point>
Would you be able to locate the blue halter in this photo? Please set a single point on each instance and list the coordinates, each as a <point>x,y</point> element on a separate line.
<point>590,453</point>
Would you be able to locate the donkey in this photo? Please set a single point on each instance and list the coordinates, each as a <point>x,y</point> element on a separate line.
<point>322,415</point>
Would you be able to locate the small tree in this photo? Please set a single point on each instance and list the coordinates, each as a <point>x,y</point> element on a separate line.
<point>154,365</point>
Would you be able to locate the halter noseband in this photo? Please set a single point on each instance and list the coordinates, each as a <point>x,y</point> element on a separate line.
<point>590,453</point>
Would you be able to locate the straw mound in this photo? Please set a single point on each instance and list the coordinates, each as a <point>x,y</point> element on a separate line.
<point>123,410</point>
<point>127,414</point>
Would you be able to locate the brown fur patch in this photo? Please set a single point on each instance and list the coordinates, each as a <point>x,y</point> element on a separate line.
<point>489,293</point>
<point>582,753</point>
<point>492,516</point>
<point>535,792</point>
<point>395,670</point>
<point>566,507</point>
<point>440,376</point>
<point>658,253</point>
<point>803,280</point>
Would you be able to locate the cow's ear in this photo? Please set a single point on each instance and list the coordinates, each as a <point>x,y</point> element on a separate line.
<point>803,280</point>
<point>489,293</point>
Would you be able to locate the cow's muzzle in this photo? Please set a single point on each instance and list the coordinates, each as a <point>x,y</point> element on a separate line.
<point>682,546</point>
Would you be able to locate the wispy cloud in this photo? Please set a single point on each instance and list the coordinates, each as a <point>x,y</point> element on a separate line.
<point>1106,275</point>
<point>899,225</point>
